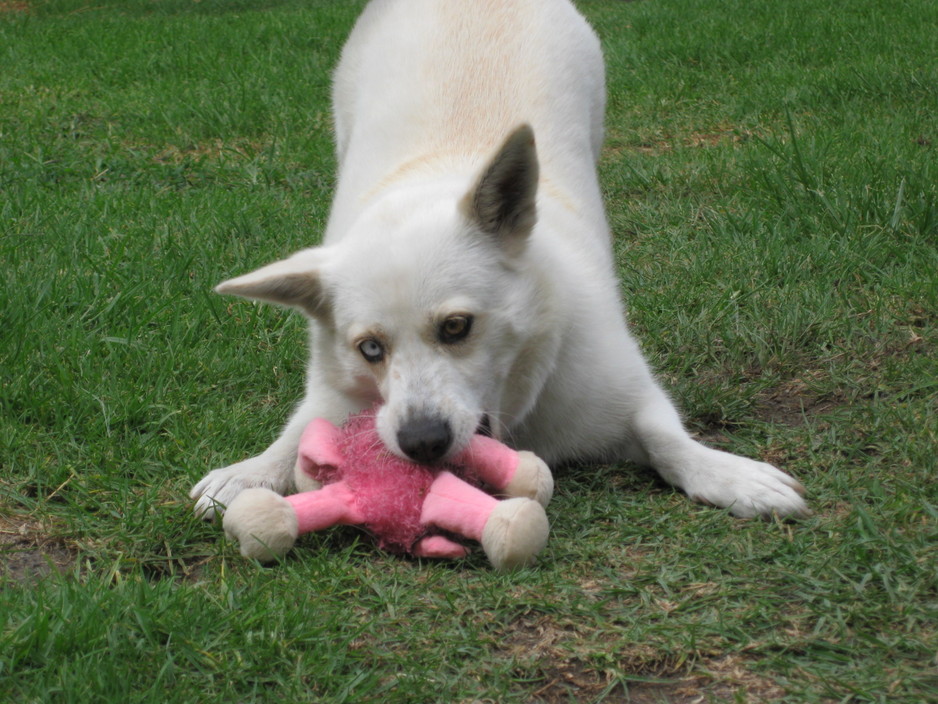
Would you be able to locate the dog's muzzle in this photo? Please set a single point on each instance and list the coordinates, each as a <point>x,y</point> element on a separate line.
<point>425,439</point>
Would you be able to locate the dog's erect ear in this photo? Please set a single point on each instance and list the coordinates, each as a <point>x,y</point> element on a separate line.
<point>295,281</point>
<point>503,200</point>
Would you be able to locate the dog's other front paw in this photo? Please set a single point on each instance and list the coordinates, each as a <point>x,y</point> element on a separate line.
<point>219,487</point>
<point>746,487</point>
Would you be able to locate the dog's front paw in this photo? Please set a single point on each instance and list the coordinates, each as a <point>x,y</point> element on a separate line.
<point>219,487</point>
<point>746,487</point>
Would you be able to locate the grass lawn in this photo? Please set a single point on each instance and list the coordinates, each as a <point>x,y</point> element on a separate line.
<point>771,174</point>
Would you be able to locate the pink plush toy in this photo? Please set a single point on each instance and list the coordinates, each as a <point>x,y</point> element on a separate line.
<point>347,477</point>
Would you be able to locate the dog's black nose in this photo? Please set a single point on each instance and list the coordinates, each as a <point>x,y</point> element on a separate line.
<point>425,440</point>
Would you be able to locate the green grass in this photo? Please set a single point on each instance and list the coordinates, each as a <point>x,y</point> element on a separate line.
<point>772,183</point>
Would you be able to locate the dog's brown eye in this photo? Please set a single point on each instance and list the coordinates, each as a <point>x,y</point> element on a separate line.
<point>455,328</point>
<point>372,350</point>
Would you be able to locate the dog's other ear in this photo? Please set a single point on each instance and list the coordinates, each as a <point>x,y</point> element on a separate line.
<point>295,281</point>
<point>503,201</point>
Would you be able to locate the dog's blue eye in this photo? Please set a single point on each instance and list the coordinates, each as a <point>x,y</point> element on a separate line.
<point>372,350</point>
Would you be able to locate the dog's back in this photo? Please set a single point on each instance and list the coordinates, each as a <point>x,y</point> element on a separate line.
<point>432,84</point>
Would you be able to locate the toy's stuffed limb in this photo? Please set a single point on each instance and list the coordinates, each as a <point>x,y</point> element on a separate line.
<point>266,524</point>
<point>439,546</point>
<point>318,454</point>
<point>332,505</point>
<point>510,473</point>
<point>512,532</point>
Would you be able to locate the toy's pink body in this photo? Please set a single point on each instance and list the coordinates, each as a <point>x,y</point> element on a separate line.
<point>407,506</point>
<point>424,511</point>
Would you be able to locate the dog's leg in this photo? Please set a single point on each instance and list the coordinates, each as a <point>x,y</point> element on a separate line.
<point>272,469</point>
<point>746,487</point>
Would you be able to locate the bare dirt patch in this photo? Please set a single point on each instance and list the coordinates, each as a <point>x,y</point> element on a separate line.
<point>794,401</point>
<point>13,6</point>
<point>721,680</point>
<point>639,676</point>
<point>27,553</point>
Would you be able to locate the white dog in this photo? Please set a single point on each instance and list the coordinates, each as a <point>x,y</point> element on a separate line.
<point>466,278</point>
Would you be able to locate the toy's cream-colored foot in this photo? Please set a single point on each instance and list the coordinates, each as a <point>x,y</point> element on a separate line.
<point>516,531</point>
<point>263,522</point>
<point>532,479</point>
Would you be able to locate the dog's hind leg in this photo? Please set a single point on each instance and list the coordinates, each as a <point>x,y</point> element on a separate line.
<point>746,487</point>
<point>272,469</point>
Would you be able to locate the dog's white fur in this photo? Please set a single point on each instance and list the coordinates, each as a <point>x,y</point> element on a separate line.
<point>434,217</point>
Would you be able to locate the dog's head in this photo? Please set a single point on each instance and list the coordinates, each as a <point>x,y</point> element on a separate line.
<point>426,303</point>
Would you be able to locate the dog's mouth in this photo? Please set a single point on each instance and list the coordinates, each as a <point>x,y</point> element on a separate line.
<point>485,426</point>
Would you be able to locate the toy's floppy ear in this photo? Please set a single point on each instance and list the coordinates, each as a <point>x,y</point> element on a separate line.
<point>295,281</point>
<point>502,203</point>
